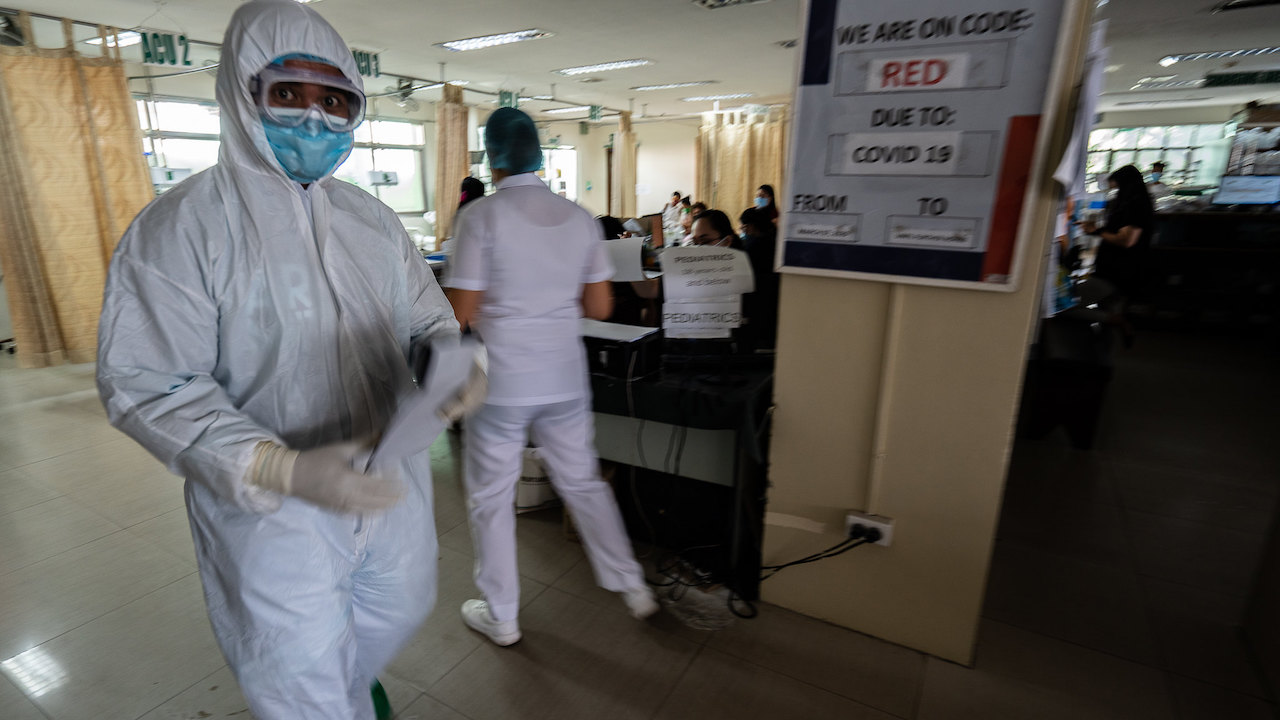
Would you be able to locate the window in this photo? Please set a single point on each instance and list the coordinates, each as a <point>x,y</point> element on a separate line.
<point>184,134</point>
<point>1182,148</point>
<point>396,146</point>
<point>179,134</point>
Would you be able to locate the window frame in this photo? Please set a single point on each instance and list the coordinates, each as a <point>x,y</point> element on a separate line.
<point>156,137</point>
<point>1107,145</point>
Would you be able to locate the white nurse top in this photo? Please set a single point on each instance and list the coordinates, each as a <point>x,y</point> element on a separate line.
<point>529,251</point>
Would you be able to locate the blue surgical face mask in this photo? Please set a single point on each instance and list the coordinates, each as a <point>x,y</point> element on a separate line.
<point>1155,177</point>
<point>762,202</point>
<point>309,151</point>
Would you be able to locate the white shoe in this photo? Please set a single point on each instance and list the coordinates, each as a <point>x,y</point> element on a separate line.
<point>641,602</point>
<point>476,614</point>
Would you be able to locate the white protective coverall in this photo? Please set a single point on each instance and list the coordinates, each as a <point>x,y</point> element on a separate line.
<point>234,315</point>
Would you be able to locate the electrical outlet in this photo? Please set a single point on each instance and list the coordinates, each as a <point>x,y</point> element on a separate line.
<point>879,522</point>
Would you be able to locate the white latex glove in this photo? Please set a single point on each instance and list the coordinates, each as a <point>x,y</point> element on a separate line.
<point>470,397</point>
<point>324,476</point>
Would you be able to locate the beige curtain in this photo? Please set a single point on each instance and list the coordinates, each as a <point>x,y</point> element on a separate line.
<point>72,176</point>
<point>623,201</point>
<point>452,159</point>
<point>737,153</point>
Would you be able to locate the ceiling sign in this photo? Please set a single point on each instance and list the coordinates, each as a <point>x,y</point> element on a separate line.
<point>367,63</point>
<point>165,49</point>
<point>1248,77</point>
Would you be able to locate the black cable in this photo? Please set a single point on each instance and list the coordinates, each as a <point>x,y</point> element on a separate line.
<point>671,444</point>
<point>828,553</point>
<point>807,558</point>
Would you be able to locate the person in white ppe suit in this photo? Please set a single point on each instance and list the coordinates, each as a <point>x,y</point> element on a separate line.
<point>256,321</point>
<point>528,265</point>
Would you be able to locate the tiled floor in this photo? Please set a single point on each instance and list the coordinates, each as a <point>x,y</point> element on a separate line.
<point>1116,585</point>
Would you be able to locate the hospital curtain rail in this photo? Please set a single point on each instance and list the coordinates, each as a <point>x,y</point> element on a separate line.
<point>738,151</point>
<point>71,179</point>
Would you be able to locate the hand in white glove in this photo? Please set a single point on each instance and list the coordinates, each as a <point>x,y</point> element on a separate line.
<point>323,476</point>
<point>470,397</point>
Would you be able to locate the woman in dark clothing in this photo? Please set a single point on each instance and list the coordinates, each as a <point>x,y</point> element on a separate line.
<point>760,240</point>
<point>1126,233</point>
<point>472,189</point>
<point>765,203</point>
<point>1125,236</point>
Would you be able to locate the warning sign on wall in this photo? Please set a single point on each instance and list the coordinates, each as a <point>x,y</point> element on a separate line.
<point>915,128</point>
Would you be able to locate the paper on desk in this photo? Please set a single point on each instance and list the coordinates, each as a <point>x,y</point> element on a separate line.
<point>417,421</point>
<point>614,331</point>
<point>627,256</point>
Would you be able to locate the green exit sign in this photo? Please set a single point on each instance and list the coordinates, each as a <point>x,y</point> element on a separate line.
<point>367,63</point>
<point>508,99</point>
<point>165,49</point>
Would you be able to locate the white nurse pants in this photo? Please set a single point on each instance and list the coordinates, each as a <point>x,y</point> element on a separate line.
<point>565,436</point>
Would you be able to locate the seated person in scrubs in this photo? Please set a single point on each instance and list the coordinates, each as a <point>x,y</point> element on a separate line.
<point>528,267</point>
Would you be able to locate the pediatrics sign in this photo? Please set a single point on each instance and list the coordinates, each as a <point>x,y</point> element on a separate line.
<point>914,132</point>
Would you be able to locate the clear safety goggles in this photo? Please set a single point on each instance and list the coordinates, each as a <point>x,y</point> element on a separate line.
<point>288,96</point>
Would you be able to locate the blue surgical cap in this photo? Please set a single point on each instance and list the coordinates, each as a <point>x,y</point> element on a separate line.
<point>511,139</point>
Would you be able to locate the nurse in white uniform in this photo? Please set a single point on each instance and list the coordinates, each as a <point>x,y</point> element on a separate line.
<point>256,322</point>
<point>528,266</point>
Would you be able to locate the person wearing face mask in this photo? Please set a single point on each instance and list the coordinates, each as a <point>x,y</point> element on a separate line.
<point>764,202</point>
<point>686,221</point>
<point>711,228</point>
<point>255,329</point>
<point>529,266</point>
<point>760,307</point>
<point>1155,187</point>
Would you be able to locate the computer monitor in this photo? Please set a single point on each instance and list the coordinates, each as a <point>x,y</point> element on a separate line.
<point>1248,190</point>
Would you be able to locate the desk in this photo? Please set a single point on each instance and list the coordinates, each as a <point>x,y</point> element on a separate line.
<point>1216,267</point>
<point>695,425</point>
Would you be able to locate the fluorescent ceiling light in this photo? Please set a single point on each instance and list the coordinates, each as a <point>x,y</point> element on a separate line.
<point>485,41</point>
<point>1162,102</point>
<point>717,4</point>
<point>436,86</point>
<point>124,39</point>
<point>1241,5</point>
<point>1170,84</point>
<point>603,67</point>
<point>567,110</point>
<point>525,98</point>
<point>672,86</point>
<point>1168,60</point>
<point>706,98</point>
